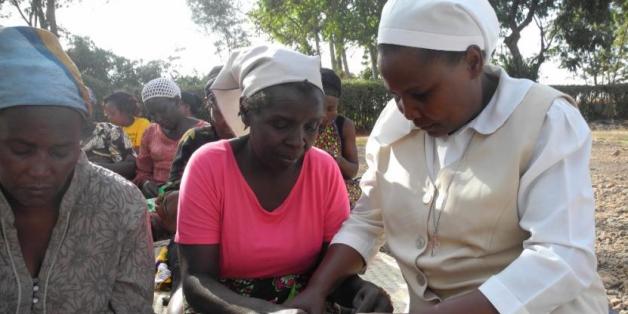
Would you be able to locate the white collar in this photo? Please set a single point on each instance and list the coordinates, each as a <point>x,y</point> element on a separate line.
<point>392,125</point>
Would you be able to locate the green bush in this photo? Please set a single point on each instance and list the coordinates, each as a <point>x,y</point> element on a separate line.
<point>362,101</point>
<point>604,102</point>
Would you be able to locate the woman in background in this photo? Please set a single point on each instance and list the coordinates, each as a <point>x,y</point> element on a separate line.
<point>337,135</point>
<point>107,145</point>
<point>162,98</point>
<point>122,110</point>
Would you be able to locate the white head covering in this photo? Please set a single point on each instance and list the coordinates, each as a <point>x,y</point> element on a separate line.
<point>160,87</point>
<point>252,69</point>
<point>448,25</point>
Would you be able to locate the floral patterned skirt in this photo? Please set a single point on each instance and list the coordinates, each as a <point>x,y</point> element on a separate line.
<point>274,290</point>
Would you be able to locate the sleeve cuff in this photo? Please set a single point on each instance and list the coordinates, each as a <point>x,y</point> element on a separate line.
<point>502,299</point>
<point>361,244</point>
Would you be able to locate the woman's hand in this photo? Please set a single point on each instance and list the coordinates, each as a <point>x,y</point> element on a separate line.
<point>309,300</point>
<point>371,298</point>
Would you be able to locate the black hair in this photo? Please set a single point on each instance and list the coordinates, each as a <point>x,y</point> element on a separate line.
<point>124,102</point>
<point>429,55</point>
<point>331,82</point>
<point>265,97</point>
<point>193,101</point>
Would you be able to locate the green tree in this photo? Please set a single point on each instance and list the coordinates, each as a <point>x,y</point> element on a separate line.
<point>365,22</point>
<point>595,39</point>
<point>298,25</point>
<point>221,17</point>
<point>39,13</point>
<point>305,24</point>
<point>105,72</point>
<point>514,16</point>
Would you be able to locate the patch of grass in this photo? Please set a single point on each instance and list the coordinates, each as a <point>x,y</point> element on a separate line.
<point>612,136</point>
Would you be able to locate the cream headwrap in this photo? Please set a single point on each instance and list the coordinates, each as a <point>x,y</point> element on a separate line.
<point>449,25</point>
<point>252,69</point>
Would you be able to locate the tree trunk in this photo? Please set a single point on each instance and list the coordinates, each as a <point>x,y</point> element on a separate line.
<point>51,16</point>
<point>373,56</point>
<point>317,40</point>
<point>339,47</point>
<point>345,63</point>
<point>37,7</point>
<point>332,54</point>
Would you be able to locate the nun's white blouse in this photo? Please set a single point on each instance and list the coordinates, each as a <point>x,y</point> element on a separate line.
<point>554,204</point>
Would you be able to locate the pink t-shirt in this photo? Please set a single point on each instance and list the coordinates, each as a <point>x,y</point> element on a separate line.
<point>157,152</point>
<point>217,206</point>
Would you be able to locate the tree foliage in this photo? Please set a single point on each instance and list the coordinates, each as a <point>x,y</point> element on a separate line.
<point>514,16</point>
<point>306,24</point>
<point>105,72</point>
<point>595,39</point>
<point>221,17</point>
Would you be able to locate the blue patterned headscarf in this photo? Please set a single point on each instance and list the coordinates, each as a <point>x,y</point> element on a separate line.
<point>34,70</point>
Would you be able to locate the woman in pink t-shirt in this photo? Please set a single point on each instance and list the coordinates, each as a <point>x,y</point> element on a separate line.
<point>256,212</point>
<point>162,98</point>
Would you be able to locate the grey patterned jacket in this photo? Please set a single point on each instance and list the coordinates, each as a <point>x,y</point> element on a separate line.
<point>99,259</point>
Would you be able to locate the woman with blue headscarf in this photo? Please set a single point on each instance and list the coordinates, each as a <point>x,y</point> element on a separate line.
<point>75,237</point>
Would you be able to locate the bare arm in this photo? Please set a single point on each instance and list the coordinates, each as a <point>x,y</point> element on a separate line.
<point>339,263</point>
<point>348,161</point>
<point>200,269</point>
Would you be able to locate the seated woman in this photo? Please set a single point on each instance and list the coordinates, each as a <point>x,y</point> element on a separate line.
<point>107,145</point>
<point>162,98</point>
<point>337,135</point>
<point>257,211</point>
<point>122,110</point>
<point>74,236</point>
<point>478,182</point>
<point>164,222</point>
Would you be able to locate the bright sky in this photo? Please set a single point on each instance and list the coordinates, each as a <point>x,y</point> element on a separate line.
<point>158,29</point>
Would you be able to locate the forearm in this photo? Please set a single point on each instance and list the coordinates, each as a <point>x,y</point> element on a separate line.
<point>340,262</point>
<point>207,295</point>
<point>349,169</point>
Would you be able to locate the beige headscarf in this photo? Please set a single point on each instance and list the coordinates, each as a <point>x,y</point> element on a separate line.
<point>252,69</point>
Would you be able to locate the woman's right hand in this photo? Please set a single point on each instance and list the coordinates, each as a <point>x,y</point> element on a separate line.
<point>309,300</point>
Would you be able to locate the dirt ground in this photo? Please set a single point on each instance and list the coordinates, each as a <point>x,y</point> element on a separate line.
<point>609,172</point>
